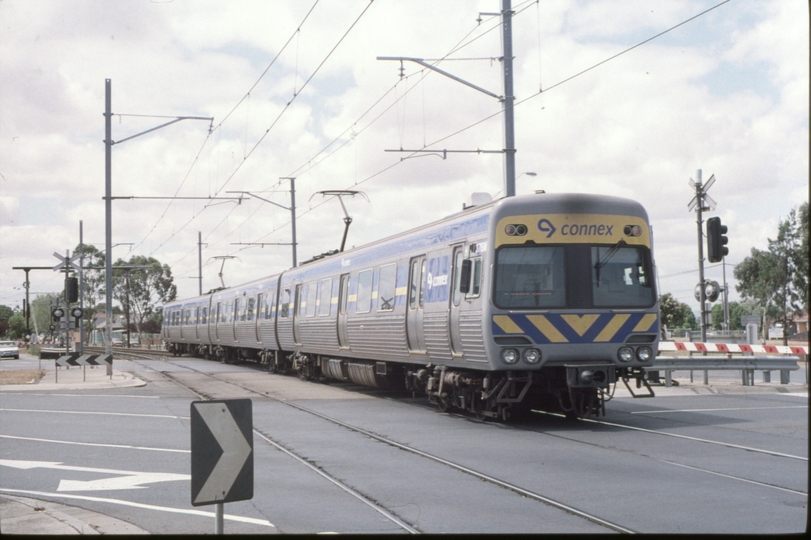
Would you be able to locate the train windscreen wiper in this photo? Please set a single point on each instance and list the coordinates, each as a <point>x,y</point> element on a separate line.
<point>603,261</point>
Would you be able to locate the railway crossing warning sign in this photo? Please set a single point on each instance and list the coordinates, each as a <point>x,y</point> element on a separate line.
<point>221,451</point>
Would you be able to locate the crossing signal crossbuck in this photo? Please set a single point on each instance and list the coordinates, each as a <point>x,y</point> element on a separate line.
<point>716,240</point>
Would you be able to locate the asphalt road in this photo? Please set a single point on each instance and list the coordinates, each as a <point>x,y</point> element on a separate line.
<point>733,461</point>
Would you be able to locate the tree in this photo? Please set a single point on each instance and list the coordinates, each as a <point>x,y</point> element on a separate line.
<point>777,279</point>
<point>16,326</point>
<point>143,290</point>
<point>736,310</point>
<point>6,313</point>
<point>675,314</point>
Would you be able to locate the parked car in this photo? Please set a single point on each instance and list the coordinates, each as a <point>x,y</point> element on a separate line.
<point>9,349</point>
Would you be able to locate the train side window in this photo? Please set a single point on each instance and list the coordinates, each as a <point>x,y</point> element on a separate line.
<point>312,299</point>
<point>251,308</point>
<point>187,317</point>
<point>261,300</point>
<point>423,279</point>
<point>325,299</point>
<point>414,286</point>
<point>284,308</point>
<point>475,278</point>
<point>459,256</point>
<point>386,287</point>
<point>196,316</point>
<point>229,311</point>
<point>204,319</point>
<point>363,304</point>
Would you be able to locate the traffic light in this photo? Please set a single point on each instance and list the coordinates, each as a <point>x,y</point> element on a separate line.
<point>716,240</point>
<point>72,289</point>
<point>57,313</point>
<point>77,313</point>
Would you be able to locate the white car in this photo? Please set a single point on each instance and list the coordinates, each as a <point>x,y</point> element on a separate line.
<point>8,349</point>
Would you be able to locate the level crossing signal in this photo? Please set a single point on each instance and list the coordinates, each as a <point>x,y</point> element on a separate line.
<point>716,240</point>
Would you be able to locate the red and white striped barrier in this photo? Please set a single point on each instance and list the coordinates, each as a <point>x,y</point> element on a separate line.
<point>730,348</point>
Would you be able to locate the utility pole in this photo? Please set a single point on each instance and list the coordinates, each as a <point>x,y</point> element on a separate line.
<point>108,199</point>
<point>292,210</point>
<point>507,100</point>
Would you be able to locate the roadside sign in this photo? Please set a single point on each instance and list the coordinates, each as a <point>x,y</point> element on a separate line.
<point>221,451</point>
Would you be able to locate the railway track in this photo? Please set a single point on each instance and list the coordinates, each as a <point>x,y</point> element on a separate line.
<point>705,445</point>
<point>538,497</point>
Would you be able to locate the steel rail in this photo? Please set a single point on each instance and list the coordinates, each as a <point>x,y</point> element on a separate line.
<point>476,474</point>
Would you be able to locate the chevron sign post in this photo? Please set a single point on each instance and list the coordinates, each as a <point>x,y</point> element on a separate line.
<point>221,453</point>
<point>78,359</point>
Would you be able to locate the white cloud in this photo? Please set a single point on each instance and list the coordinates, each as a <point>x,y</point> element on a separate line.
<point>726,93</point>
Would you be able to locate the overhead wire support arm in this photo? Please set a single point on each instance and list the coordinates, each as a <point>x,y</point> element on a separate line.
<point>425,64</point>
<point>177,119</point>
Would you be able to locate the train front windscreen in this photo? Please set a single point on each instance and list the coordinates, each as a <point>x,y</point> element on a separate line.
<point>573,276</point>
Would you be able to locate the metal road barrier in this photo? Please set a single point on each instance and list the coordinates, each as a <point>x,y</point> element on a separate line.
<point>747,365</point>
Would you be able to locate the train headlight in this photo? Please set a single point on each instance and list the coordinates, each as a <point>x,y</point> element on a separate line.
<point>516,230</point>
<point>632,230</point>
<point>510,356</point>
<point>532,356</point>
<point>625,354</point>
<point>644,354</point>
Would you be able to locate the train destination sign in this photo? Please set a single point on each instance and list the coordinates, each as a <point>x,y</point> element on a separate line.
<point>221,451</point>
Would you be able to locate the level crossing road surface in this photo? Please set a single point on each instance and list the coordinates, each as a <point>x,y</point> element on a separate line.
<point>341,458</point>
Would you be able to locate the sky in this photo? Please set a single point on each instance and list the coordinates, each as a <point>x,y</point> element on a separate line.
<point>295,90</point>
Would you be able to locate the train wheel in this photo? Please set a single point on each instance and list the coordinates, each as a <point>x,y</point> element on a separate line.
<point>444,403</point>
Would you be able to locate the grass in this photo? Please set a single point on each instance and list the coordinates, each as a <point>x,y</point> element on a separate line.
<point>21,376</point>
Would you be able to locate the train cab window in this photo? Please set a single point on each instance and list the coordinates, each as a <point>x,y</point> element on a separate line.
<point>312,293</point>
<point>363,304</point>
<point>284,308</point>
<point>325,297</point>
<point>386,287</point>
<point>619,277</point>
<point>250,308</point>
<point>530,277</point>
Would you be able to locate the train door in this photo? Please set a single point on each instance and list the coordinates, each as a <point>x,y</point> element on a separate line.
<point>297,316</point>
<point>343,297</point>
<point>416,301</point>
<point>456,301</point>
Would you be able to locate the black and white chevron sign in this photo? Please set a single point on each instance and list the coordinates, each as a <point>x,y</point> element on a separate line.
<point>77,359</point>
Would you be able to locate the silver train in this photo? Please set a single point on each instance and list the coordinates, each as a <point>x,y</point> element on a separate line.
<point>534,301</point>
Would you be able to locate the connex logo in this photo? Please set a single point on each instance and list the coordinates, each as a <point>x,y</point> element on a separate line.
<point>544,225</point>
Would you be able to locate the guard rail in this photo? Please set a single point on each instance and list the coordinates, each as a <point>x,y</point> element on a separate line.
<point>747,365</point>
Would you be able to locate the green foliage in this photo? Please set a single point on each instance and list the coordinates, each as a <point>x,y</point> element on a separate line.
<point>777,279</point>
<point>16,326</point>
<point>736,310</point>
<point>6,313</point>
<point>675,314</point>
<point>143,290</point>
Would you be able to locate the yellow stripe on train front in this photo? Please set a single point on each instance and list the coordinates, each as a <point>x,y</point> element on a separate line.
<point>507,324</point>
<point>611,328</point>
<point>646,322</point>
<point>580,324</point>
<point>547,329</point>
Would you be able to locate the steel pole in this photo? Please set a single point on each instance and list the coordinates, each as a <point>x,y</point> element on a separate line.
<point>293,215</point>
<point>699,221</point>
<point>200,261</point>
<point>509,98</point>
<point>108,223</point>
<point>81,286</point>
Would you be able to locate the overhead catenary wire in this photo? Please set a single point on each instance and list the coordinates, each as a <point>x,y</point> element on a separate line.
<point>311,163</point>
